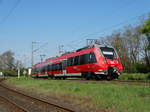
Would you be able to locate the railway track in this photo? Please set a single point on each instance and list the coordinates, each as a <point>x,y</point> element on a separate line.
<point>28,103</point>
<point>10,105</point>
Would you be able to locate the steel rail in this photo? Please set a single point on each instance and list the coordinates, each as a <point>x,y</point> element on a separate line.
<point>37,99</point>
<point>14,104</point>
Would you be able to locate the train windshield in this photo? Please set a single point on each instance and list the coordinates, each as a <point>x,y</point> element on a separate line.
<point>108,53</point>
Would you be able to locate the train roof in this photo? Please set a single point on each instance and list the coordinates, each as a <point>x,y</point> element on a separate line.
<point>69,53</point>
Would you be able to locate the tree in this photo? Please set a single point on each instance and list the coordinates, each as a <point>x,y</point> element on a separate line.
<point>7,60</point>
<point>130,44</point>
<point>146,30</point>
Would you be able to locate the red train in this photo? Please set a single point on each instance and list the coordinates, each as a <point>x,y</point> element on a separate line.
<point>91,62</point>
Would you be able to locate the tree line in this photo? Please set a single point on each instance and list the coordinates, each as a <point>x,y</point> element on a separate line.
<point>8,64</point>
<point>133,46</point>
<point>131,42</point>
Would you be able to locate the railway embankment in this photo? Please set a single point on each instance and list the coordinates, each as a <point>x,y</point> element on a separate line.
<point>88,96</point>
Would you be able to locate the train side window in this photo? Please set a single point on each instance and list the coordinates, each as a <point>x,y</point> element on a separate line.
<point>60,66</point>
<point>34,70</point>
<point>70,61</point>
<point>42,69</point>
<point>37,69</point>
<point>92,58</point>
<point>76,60</point>
<point>53,67</point>
<point>82,59</point>
<point>49,67</point>
<point>86,59</point>
<point>64,64</point>
<point>56,67</point>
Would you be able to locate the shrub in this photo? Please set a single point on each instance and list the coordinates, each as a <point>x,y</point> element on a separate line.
<point>137,76</point>
<point>141,68</point>
<point>9,72</point>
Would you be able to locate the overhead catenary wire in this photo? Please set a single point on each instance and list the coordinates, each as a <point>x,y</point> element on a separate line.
<point>124,5</point>
<point>115,11</point>
<point>10,12</point>
<point>110,27</point>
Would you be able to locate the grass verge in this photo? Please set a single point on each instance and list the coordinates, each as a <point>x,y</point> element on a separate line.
<point>95,96</point>
<point>135,76</point>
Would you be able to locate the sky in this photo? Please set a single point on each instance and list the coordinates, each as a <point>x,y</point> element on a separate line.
<point>51,23</point>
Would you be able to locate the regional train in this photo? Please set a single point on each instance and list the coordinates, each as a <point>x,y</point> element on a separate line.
<point>91,62</point>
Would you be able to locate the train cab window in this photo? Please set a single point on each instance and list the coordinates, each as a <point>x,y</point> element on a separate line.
<point>76,60</point>
<point>92,58</point>
<point>108,52</point>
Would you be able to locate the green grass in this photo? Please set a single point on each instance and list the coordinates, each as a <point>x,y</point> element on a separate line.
<point>114,97</point>
<point>135,76</point>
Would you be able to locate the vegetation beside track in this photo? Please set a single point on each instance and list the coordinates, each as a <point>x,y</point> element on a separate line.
<point>108,97</point>
<point>135,76</point>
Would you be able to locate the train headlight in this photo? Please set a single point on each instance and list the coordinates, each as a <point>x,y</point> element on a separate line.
<point>100,70</point>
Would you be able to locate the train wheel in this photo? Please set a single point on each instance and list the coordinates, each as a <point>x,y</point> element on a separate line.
<point>37,76</point>
<point>88,76</point>
<point>51,76</point>
<point>64,78</point>
<point>97,77</point>
<point>109,77</point>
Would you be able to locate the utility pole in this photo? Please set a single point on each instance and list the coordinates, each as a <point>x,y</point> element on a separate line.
<point>32,54</point>
<point>35,50</point>
<point>61,49</point>
<point>92,41</point>
<point>42,56</point>
<point>19,69</point>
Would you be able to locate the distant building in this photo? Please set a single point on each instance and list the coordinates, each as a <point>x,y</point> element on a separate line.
<point>1,73</point>
<point>29,71</point>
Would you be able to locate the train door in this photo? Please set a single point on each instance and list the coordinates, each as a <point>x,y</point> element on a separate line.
<point>64,65</point>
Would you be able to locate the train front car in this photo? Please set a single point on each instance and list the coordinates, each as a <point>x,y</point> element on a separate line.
<point>110,66</point>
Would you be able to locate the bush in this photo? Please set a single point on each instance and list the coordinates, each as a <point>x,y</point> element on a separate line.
<point>137,76</point>
<point>136,68</point>
<point>141,68</point>
<point>148,76</point>
<point>9,72</point>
